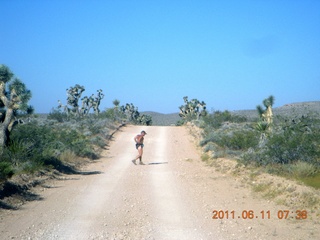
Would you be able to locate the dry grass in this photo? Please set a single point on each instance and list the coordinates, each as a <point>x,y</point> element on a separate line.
<point>68,156</point>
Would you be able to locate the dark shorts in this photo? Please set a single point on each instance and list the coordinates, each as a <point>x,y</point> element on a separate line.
<point>139,145</point>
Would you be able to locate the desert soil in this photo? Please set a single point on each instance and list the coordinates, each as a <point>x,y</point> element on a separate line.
<point>172,196</point>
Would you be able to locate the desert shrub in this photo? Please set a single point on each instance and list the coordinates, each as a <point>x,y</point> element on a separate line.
<point>302,169</point>
<point>44,141</point>
<point>98,141</point>
<point>209,147</point>
<point>211,137</point>
<point>57,115</point>
<point>205,157</point>
<point>250,157</point>
<point>239,140</point>
<point>219,153</point>
<point>283,149</point>
<point>67,156</point>
<point>216,119</point>
<point>289,142</point>
<point>291,145</point>
<point>76,142</point>
<point>6,170</point>
<point>110,113</point>
<point>234,140</point>
<point>17,152</point>
<point>30,140</point>
<point>53,142</point>
<point>180,122</point>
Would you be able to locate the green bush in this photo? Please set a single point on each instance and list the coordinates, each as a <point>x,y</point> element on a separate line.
<point>51,144</point>
<point>180,122</point>
<point>239,140</point>
<point>234,139</point>
<point>6,170</point>
<point>302,169</point>
<point>57,115</point>
<point>216,119</point>
<point>211,137</point>
<point>35,142</point>
<point>289,142</point>
<point>293,144</point>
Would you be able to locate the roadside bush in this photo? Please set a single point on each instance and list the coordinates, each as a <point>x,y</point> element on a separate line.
<point>211,137</point>
<point>233,139</point>
<point>216,119</point>
<point>210,147</point>
<point>98,141</point>
<point>6,171</point>
<point>288,148</point>
<point>17,152</point>
<point>57,115</point>
<point>74,141</point>
<point>180,122</point>
<point>67,156</point>
<point>302,169</point>
<point>54,141</point>
<point>239,140</point>
<point>297,140</point>
<point>289,142</point>
<point>32,143</point>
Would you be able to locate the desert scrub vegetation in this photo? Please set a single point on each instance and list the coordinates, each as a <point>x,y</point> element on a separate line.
<point>32,146</point>
<point>55,142</point>
<point>280,144</point>
<point>226,134</point>
<point>59,140</point>
<point>290,142</point>
<point>70,133</point>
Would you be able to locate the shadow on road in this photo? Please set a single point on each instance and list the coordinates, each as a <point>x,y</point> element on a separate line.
<point>20,192</point>
<point>154,163</point>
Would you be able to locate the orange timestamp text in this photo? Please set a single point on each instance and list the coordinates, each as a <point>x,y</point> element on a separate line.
<point>264,214</point>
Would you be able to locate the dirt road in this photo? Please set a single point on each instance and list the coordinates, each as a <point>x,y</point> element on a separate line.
<point>172,196</point>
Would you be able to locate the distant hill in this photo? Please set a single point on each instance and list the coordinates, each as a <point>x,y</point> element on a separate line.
<point>292,109</point>
<point>160,119</point>
<point>287,110</point>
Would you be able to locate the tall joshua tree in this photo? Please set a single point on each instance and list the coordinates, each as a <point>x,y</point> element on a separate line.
<point>116,104</point>
<point>192,109</point>
<point>74,96</point>
<point>14,97</point>
<point>266,114</point>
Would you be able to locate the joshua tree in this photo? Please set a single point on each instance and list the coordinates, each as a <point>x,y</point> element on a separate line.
<point>116,104</point>
<point>192,109</point>
<point>266,114</point>
<point>145,120</point>
<point>264,127</point>
<point>74,95</point>
<point>131,112</point>
<point>96,101</point>
<point>14,97</point>
<point>92,102</point>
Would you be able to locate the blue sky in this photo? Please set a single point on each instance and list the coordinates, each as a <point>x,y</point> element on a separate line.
<point>230,54</point>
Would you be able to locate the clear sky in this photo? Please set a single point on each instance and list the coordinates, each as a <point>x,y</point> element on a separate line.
<point>230,54</point>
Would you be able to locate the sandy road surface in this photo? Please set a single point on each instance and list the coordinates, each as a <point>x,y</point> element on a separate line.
<point>171,197</point>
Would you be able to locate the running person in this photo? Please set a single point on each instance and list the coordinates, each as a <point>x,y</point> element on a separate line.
<point>139,146</point>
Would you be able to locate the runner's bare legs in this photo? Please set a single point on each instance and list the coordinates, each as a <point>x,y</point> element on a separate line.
<point>140,152</point>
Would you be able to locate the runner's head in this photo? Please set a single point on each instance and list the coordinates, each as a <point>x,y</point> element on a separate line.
<point>143,132</point>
